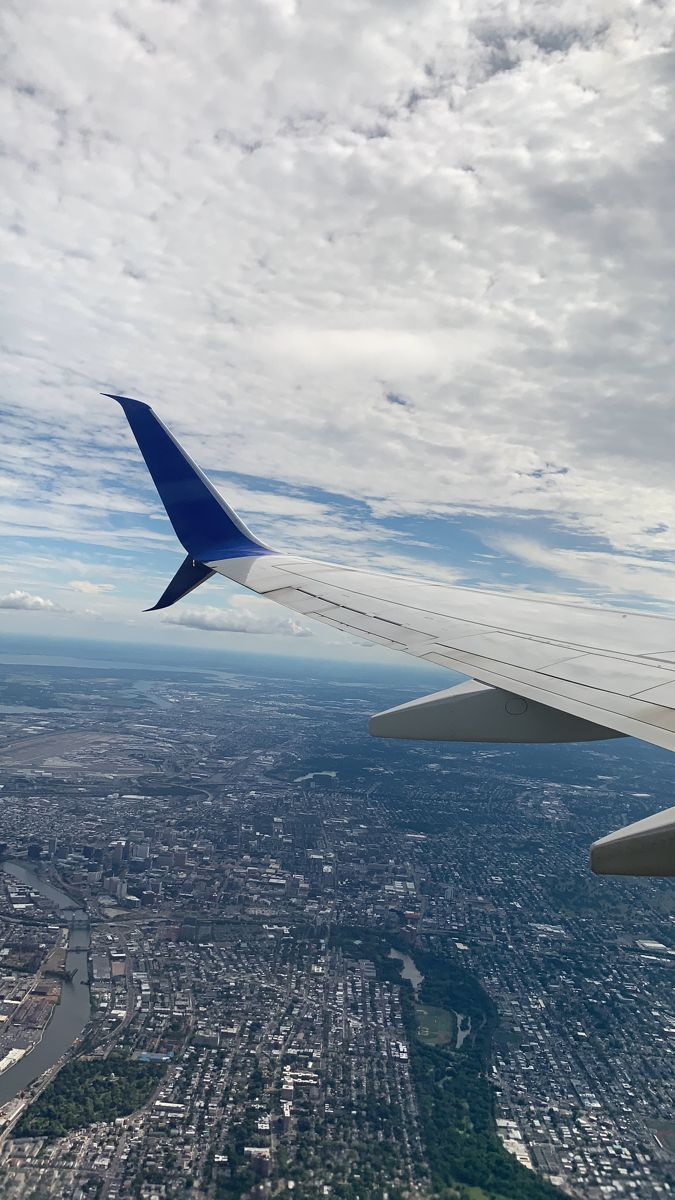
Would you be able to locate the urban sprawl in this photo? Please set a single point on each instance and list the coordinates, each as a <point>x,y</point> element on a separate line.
<point>319,965</point>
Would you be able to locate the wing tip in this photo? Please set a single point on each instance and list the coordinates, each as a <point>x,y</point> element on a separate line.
<point>204,523</point>
<point>126,402</point>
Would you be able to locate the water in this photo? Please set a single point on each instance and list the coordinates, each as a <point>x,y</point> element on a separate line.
<point>463,1029</point>
<point>315,775</point>
<point>409,971</point>
<point>147,688</point>
<point>72,1014</point>
<point>29,708</point>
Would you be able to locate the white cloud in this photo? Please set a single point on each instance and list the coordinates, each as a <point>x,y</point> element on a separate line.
<point>243,618</point>
<point>90,589</point>
<point>603,573</point>
<point>26,602</point>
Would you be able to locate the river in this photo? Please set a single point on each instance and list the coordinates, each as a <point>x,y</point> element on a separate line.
<point>73,1012</point>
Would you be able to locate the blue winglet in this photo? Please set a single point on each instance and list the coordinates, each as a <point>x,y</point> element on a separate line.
<point>189,576</point>
<point>207,527</point>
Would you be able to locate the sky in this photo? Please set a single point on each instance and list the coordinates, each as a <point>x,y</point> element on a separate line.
<point>401,277</point>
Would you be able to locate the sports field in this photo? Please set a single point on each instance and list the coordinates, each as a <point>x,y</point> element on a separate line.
<point>435,1026</point>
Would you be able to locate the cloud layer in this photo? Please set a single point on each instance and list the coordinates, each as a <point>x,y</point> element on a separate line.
<point>404,262</point>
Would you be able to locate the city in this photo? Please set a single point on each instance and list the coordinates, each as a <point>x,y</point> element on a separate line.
<point>318,963</point>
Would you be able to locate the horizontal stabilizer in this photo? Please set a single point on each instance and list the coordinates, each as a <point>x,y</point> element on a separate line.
<point>207,527</point>
<point>644,848</point>
<point>474,712</point>
<point>188,577</point>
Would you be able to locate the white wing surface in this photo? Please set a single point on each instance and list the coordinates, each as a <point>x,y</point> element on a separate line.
<point>544,671</point>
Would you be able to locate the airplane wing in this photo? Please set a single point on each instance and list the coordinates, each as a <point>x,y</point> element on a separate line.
<point>541,671</point>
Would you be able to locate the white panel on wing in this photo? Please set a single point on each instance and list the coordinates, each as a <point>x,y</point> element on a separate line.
<point>610,674</point>
<point>664,695</point>
<point>299,601</point>
<point>655,715</point>
<point>368,625</point>
<point>387,642</point>
<point>431,625</point>
<point>336,623</point>
<point>258,574</point>
<point>505,648</point>
<point>316,570</point>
